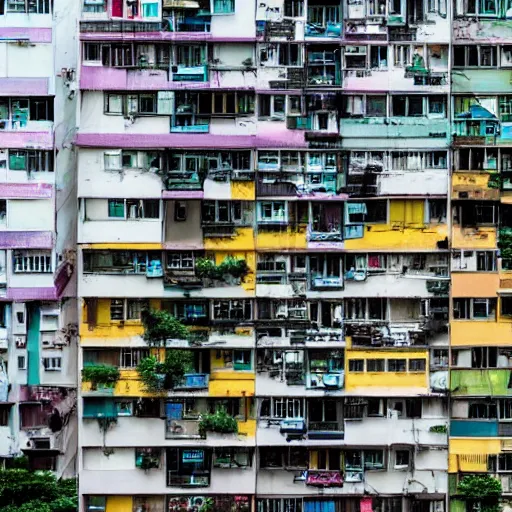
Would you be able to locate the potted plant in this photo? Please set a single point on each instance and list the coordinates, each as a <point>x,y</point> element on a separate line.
<point>220,422</point>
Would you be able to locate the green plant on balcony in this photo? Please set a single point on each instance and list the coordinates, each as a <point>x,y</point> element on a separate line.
<point>207,506</point>
<point>160,326</point>
<point>148,461</point>
<point>494,180</point>
<point>505,247</point>
<point>438,429</point>
<point>231,268</point>
<point>100,374</point>
<point>482,489</point>
<point>158,376</point>
<point>220,422</point>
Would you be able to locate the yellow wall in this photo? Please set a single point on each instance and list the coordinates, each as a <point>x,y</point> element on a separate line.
<point>472,238</point>
<point>483,333</point>
<point>385,237</point>
<point>242,241</point>
<point>243,190</point>
<point>474,284</point>
<point>247,428</point>
<point>128,385</point>
<point>355,380</point>
<point>108,329</point>
<point>119,504</point>
<point>473,182</point>
<point>282,240</point>
<point>471,454</point>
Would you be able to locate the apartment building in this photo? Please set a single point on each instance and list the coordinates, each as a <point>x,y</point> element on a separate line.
<point>38,321</point>
<point>310,140</point>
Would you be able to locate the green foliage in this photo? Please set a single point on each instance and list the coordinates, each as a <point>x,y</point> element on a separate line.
<point>220,421</point>
<point>208,505</point>
<point>438,429</point>
<point>494,180</point>
<point>206,268</point>
<point>20,462</point>
<point>22,490</point>
<point>481,487</point>
<point>160,326</point>
<point>104,374</point>
<point>159,376</point>
<point>505,247</point>
<point>149,462</point>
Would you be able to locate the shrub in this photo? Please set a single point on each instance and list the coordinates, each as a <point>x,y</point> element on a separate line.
<point>482,487</point>
<point>100,374</point>
<point>159,376</point>
<point>220,421</point>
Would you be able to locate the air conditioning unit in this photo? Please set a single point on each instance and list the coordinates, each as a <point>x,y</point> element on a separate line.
<point>47,344</point>
<point>20,341</point>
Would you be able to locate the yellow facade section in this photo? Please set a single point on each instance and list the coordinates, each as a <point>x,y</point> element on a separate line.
<point>111,329</point>
<point>242,241</point>
<point>396,237</point>
<point>475,184</point>
<point>114,246</point>
<point>249,282</point>
<point>129,385</point>
<point>480,333</point>
<point>471,454</point>
<point>119,504</point>
<point>231,384</point>
<point>474,238</point>
<point>474,284</point>
<point>355,380</point>
<point>284,240</point>
<point>247,428</point>
<point>243,190</point>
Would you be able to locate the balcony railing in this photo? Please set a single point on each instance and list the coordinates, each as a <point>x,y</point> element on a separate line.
<point>182,429</point>
<point>194,381</point>
<point>197,480</point>
<point>121,26</point>
<point>324,478</point>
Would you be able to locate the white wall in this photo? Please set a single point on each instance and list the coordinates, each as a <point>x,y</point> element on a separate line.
<point>239,24</point>
<point>94,181</point>
<point>413,183</point>
<point>32,61</point>
<point>30,214</point>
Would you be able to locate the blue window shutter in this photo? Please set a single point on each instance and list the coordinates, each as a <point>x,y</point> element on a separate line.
<point>174,411</point>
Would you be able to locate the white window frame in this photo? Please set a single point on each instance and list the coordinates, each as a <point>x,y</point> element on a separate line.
<point>182,256</point>
<point>52,364</point>
<point>276,207</point>
<point>125,307</point>
<point>26,262</point>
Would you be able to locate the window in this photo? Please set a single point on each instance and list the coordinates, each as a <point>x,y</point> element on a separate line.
<point>356,365</point>
<point>282,408</point>
<point>293,9</point>
<point>232,310</point>
<point>475,56</point>
<point>376,106</point>
<point>436,211</point>
<point>272,212</point>
<point>92,52</point>
<point>150,10</point>
<point>130,309</point>
<point>407,106</point>
<point>373,459</point>
<point>417,365</point>
<point>52,364</point>
<point>28,6</point>
<point>506,306</point>
<point>376,211</point>
<point>242,359</point>
<point>379,57</point>
<point>279,505</point>
<point>272,106</point>
<point>95,6</point>
<point>131,357</point>
<point>474,309</point>
<point>117,309</point>
<point>124,407</point>
<point>22,363</point>
<point>33,415</point>
<point>180,260</point>
<point>402,458</point>
<point>113,103</point>
<point>375,365</point>
<point>223,6</point>
<point>134,208</point>
<point>30,161</point>
<point>397,365</point>
<point>32,262</point>
<point>484,357</point>
<point>232,458</point>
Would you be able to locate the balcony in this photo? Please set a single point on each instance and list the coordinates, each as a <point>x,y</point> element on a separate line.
<point>182,429</point>
<point>181,73</point>
<point>183,180</point>
<point>193,381</point>
<point>199,479</point>
<point>327,283</point>
<point>120,27</point>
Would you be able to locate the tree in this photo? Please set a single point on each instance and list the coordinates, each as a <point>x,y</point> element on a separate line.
<point>160,326</point>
